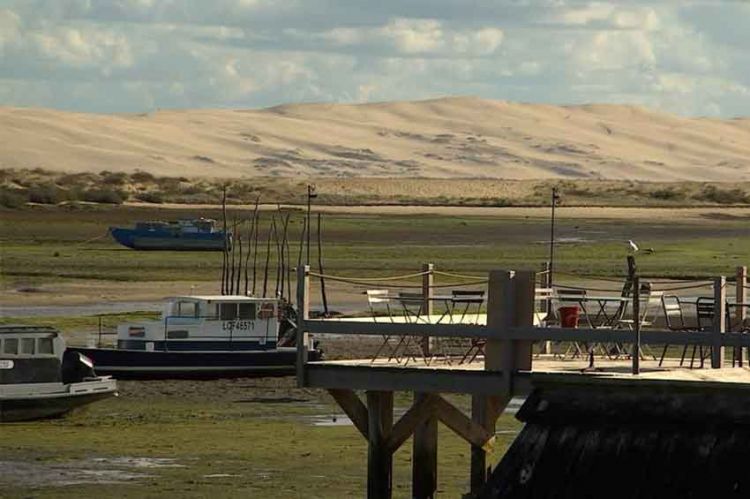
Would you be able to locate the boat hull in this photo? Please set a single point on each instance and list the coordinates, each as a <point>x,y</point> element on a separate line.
<point>14,408</point>
<point>140,364</point>
<point>141,240</point>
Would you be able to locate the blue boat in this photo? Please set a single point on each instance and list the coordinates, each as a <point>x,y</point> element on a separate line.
<point>193,235</point>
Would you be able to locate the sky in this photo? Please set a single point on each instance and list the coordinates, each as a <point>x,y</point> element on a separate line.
<point>686,57</point>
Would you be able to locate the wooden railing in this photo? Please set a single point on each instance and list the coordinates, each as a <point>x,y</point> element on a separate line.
<point>510,331</point>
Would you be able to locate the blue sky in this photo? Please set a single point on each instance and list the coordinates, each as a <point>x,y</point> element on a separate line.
<point>692,58</point>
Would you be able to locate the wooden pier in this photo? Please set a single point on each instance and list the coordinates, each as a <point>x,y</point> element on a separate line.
<point>508,368</point>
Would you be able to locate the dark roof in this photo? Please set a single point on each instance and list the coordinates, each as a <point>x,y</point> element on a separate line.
<point>23,328</point>
<point>639,440</point>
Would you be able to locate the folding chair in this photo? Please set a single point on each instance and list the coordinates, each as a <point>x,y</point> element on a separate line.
<point>469,298</point>
<point>645,318</point>
<point>409,302</point>
<point>704,315</point>
<point>674,318</point>
<point>377,297</point>
<point>563,296</point>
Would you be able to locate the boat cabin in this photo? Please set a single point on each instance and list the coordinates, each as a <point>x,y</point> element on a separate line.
<point>206,323</point>
<point>30,354</point>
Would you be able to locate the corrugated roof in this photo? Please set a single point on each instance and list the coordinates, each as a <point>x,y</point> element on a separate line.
<point>633,442</point>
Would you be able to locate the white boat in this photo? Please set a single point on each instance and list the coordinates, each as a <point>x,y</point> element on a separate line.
<point>40,378</point>
<point>202,337</point>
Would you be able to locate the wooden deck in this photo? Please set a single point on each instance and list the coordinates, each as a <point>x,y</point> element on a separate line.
<point>440,375</point>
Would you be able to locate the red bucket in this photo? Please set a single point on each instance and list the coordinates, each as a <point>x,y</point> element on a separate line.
<point>569,316</point>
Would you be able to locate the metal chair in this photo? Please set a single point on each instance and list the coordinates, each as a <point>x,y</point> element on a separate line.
<point>674,319</point>
<point>375,298</point>
<point>704,316</point>
<point>646,316</point>
<point>562,296</point>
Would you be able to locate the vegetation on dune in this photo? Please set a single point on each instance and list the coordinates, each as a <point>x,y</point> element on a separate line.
<point>18,187</point>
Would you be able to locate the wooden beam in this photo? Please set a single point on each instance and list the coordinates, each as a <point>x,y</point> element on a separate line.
<point>462,425</point>
<point>422,409</point>
<point>303,314</point>
<point>353,407</point>
<point>428,280</point>
<point>524,286</point>
<point>368,377</point>
<point>379,458</point>
<point>740,312</point>
<point>394,329</point>
<point>424,452</point>
<point>500,308</point>
<point>720,297</point>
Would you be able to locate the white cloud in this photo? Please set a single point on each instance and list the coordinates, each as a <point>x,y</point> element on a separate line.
<point>131,55</point>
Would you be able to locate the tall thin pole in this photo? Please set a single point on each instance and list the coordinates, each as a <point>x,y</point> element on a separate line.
<point>555,198</point>
<point>310,195</point>
<point>320,269</point>
<point>636,325</point>
<point>256,222</point>
<point>225,250</point>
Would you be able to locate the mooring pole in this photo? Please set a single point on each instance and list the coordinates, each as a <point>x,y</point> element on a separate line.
<point>310,195</point>
<point>637,325</point>
<point>303,314</point>
<point>555,199</point>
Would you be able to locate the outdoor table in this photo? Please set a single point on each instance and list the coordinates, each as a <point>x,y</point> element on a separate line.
<point>451,301</point>
<point>601,302</point>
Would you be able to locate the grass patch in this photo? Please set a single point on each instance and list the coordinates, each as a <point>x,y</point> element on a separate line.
<point>227,427</point>
<point>49,244</point>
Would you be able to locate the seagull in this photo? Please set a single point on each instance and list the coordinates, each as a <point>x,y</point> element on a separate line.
<point>633,246</point>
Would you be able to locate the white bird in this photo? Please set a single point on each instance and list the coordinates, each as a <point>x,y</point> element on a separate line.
<point>633,246</point>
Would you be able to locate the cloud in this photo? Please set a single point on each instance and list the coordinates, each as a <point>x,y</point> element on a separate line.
<point>135,55</point>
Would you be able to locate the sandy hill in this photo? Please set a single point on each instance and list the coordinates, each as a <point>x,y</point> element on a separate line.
<point>451,137</point>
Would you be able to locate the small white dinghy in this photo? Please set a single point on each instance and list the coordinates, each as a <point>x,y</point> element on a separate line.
<point>40,378</point>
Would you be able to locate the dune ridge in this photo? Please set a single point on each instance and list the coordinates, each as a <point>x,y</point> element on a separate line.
<point>457,137</point>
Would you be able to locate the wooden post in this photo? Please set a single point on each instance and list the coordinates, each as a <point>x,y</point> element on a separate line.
<point>636,354</point>
<point>478,472</point>
<point>379,457</point>
<point>740,312</point>
<point>547,304</point>
<point>303,314</point>
<point>720,297</point>
<point>510,302</point>
<point>427,305</point>
<point>424,456</point>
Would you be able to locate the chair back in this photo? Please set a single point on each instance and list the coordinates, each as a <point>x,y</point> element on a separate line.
<point>704,312</point>
<point>570,294</point>
<point>673,315</point>
<point>375,296</point>
<point>463,293</point>
<point>410,297</point>
<point>653,300</point>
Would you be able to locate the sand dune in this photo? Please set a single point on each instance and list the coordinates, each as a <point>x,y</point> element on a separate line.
<point>444,138</point>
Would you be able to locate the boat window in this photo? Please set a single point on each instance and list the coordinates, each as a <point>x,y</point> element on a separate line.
<point>266,311</point>
<point>247,311</point>
<point>177,334</point>
<point>10,345</point>
<point>227,311</point>
<point>44,346</point>
<point>187,309</point>
<point>27,346</point>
